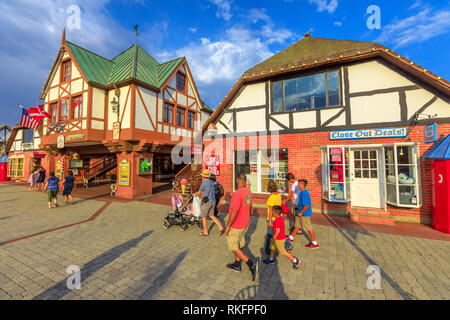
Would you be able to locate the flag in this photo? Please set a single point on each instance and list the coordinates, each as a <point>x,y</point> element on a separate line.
<point>27,121</point>
<point>38,113</point>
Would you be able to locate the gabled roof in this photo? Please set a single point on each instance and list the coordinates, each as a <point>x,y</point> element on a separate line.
<point>441,151</point>
<point>132,64</point>
<point>308,50</point>
<point>312,53</point>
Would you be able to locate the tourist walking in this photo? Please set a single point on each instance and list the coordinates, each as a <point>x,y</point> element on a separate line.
<point>208,202</point>
<point>52,187</point>
<point>291,201</point>
<point>32,180</point>
<point>41,179</point>
<point>305,212</point>
<point>238,222</point>
<point>278,240</point>
<point>274,200</point>
<point>69,182</point>
<point>219,192</point>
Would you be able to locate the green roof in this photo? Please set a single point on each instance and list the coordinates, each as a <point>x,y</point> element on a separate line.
<point>205,106</point>
<point>309,49</point>
<point>134,63</point>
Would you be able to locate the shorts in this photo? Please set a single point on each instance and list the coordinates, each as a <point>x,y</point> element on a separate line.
<point>297,222</point>
<point>236,238</point>
<point>52,194</point>
<point>305,223</point>
<point>278,245</point>
<point>207,209</point>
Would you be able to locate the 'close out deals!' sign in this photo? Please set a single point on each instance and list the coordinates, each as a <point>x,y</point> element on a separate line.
<point>212,163</point>
<point>369,133</point>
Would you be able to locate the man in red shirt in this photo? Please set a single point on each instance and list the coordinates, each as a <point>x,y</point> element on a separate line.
<point>278,240</point>
<point>238,222</point>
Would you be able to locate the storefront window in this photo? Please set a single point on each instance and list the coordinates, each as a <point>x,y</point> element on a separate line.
<point>402,181</point>
<point>260,167</point>
<point>335,173</point>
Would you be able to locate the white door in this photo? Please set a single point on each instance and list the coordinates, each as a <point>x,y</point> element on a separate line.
<point>365,178</point>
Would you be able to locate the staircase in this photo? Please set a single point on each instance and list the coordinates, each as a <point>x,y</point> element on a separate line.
<point>371,215</point>
<point>193,177</point>
<point>100,167</point>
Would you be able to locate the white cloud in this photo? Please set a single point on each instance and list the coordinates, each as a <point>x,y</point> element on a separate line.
<point>193,30</point>
<point>338,23</point>
<point>223,9</point>
<point>325,5</point>
<point>426,24</point>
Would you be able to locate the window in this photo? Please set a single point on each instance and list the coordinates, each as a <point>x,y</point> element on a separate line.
<point>168,113</point>
<point>191,119</point>
<point>335,174</point>
<point>181,82</point>
<point>54,112</point>
<point>77,105</point>
<point>180,116</point>
<point>66,70</point>
<point>402,179</point>
<point>28,135</point>
<point>260,168</point>
<point>306,93</point>
<point>64,109</point>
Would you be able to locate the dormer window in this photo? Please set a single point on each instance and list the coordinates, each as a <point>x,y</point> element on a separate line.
<point>66,67</point>
<point>181,82</point>
<point>309,92</point>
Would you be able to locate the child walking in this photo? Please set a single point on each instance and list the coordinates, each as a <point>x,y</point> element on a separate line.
<point>52,187</point>
<point>274,200</point>
<point>277,242</point>
<point>69,182</point>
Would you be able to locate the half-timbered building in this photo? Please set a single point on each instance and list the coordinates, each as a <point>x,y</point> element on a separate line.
<point>118,115</point>
<point>351,117</point>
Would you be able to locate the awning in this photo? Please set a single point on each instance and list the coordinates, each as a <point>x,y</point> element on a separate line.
<point>38,155</point>
<point>440,151</point>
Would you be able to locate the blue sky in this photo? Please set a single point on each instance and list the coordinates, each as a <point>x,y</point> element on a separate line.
<point>220,38</point>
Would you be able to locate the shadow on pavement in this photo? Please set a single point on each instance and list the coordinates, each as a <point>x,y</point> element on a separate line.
<point>60,289</point>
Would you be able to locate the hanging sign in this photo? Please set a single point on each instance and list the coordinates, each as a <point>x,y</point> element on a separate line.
<point>369,133</point>
<point>212,163</point>
<point>431,133</point>
<point>60,141</point>
<point>116,130</point>
<point>124,173</point>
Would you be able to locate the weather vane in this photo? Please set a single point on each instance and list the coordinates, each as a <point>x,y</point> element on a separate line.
<point>136,31</point>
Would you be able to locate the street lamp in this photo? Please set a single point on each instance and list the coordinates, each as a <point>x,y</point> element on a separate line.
<point>115,105</point>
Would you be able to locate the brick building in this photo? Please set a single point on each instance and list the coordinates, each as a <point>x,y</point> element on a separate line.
<point>348,116</point>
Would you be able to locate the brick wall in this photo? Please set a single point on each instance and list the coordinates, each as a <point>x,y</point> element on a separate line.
<point>304,155</point>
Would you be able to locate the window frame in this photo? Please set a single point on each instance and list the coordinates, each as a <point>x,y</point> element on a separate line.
<point>65,63</point>
<point>184,117</point>
<point>164,112</point>
<point>60,109</point>
<point>179,73</point>
<point>325,169</point>
<point>32,136</point>
<point>54,107</point>
<point>80,108</point>
<point>327,106</point>
<point>193,119</point>
<point>416,165</point>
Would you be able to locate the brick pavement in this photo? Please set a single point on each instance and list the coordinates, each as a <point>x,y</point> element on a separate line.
<point>126,254</point>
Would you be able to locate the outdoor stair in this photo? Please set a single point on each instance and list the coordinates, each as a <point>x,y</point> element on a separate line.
<point>371,215</point>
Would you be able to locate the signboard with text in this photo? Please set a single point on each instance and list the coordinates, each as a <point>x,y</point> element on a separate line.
<point>431,133</point>
<point>124,173</point>
<point>212,163</point>
<point>369,133</point>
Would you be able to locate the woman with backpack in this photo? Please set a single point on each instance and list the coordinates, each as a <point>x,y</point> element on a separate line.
<point>219,192</point>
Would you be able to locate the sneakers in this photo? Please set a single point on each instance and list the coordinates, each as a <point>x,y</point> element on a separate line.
<point>254,270</point>
<point>290,238</point>
<point>268,261</point>
<point>300,231</point>
<point>233,267</point>
<point>312,246</point>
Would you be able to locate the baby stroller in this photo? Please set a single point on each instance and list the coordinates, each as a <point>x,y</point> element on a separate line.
<point>182,214</point>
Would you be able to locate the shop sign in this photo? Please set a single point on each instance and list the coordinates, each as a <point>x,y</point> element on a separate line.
<point>369,133</point>
<point>196,150</point>
<point>60,141</point>
<point>431,133</point>
<point>116,130</point>
<point>38,155</point>
<point>124,173</point>
<point>74,137</point>
<point>212,163</point>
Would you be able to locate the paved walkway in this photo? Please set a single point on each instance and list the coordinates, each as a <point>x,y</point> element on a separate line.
<point>124,253</point>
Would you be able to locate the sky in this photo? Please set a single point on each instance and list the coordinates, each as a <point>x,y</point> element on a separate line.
<point>221,39</point>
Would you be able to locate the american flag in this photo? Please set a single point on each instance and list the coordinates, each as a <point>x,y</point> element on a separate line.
<point>27,121</point>
<point>38,113</point>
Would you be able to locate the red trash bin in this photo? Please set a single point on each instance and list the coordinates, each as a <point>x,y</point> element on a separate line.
<point>440,195</point>
<point>439,157</point>
<point>4,172</point>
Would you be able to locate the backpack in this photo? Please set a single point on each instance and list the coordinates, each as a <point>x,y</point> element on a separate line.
<point>218,189</point>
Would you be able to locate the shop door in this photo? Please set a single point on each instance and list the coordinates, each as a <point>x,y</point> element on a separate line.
<point>365,178</point>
